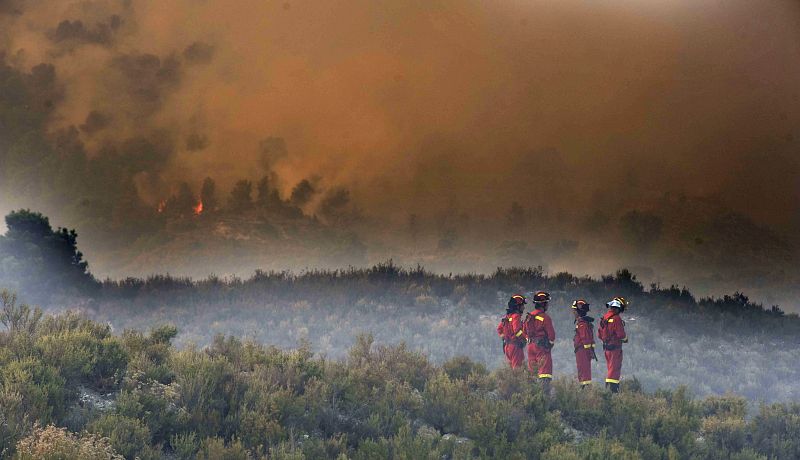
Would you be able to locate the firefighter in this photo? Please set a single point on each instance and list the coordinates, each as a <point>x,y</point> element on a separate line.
<point>510,330</point>
<point>583,342</point>
<point>612,333</point>
<point>538,327</point>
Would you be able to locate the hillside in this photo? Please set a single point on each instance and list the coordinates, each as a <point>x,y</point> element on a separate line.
<point>675,338</point>
<point>136,395</point>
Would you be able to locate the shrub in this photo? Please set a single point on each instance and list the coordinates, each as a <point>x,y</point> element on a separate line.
<point>461,367</point>
<point>216,449</point>
<point>185,445</point>
<point>128,436</point>
<point>51,443</point>
<point>40,387</point>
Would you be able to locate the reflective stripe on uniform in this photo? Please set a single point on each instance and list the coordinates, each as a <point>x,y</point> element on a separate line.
<point>589,346</point>
<point>612,381</point>
<point>545,376</point>
<point>611,320</point>
<point>519,333</point>
<point>586,382</point>
<point>539,318</point>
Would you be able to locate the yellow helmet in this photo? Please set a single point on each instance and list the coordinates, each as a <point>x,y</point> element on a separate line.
<point>580,304</point>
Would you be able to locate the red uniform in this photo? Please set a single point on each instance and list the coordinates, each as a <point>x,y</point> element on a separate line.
<point>584,348</point>
<point>612,333</point>
<point>510,330</point>
<point>541,336</point>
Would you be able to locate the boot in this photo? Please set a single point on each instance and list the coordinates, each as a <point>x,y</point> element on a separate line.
<point>547,389</point>
<point>614,387</point>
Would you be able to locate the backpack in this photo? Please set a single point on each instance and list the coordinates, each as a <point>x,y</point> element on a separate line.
<point>508,328</point>
<point>602,332</point>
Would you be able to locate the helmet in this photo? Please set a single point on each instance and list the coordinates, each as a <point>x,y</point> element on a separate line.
<point>618,302</point>
<point>516,302</point>
<point>580,304</point>
<point>541,297</point>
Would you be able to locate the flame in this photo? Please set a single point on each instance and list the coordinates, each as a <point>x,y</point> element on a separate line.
<point>198,209</point>
<point>161,206</point>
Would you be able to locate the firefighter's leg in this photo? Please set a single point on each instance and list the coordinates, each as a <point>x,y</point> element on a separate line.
<point>534,358</point>
<point>546,371</point>
<point>614,358</point>
<point>583,360</point>
<point>545,364</point>
<point>508,350</point>
<point>547,389</point>
<point>517,356</point>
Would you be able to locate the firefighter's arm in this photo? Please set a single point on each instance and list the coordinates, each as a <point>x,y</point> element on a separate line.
<point>550,330</point>
<point>517,327</point>
<point>500,328</point>
<point>621,332</point>
<point>585,336</point>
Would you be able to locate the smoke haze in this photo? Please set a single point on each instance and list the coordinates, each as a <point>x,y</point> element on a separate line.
<point>445,110</point>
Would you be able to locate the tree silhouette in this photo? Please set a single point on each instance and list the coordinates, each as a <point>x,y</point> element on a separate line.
<point>208,194</point>
<point>302,193</point>
<point>40,260</point>
<point>241,196</point>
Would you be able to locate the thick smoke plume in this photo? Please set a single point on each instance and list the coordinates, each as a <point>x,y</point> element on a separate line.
<point>436,113</point>
<point>443,100</point>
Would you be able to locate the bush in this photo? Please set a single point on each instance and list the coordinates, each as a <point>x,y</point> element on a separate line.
<point>240,399</point>
<point>216,449</point>
<point>43,396</point>
<point>128,436</point>
<point>52,443</point>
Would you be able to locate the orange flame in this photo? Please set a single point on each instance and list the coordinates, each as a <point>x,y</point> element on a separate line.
<point>198,209</point>
<point>161,206</point>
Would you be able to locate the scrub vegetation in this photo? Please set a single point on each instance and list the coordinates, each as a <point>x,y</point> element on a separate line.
<point>71,389</point>
<point>379,362</point>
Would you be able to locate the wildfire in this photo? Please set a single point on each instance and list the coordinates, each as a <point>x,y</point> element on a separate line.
<point>198,209</point>
<point>161,206</point>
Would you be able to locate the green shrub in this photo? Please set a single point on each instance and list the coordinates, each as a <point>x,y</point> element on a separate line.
<point>725,434</point>
<point>41,388</point>
<point>155,406</point>
<point>461,367</point>
<point>216,449</point>
<point>185,445</point>
<point>128,436</point>
<point>593,449</point>
<point>83,357</point>
<point>446,403</point>
<point>209,387</point>
<point>15,421</point>
<point>775,431</point>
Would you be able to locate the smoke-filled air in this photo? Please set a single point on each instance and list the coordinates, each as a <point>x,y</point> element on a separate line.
<point>460,135</point>
<point>290,228</point>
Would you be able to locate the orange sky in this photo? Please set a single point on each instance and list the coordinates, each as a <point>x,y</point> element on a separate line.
<point>420,105</point>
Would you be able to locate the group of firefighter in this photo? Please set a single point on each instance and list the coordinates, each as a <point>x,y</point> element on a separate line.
<point>536,333</point>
